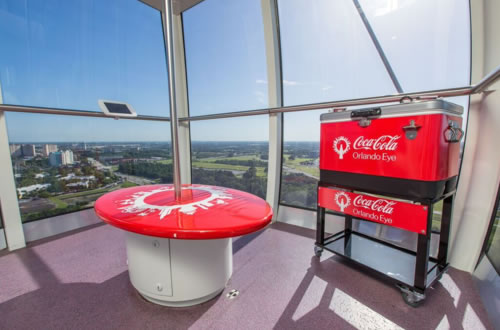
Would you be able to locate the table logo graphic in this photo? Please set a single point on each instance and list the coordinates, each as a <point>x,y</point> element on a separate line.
<point>341,145</point>
<point>342,200</point>
<point>137,204</point>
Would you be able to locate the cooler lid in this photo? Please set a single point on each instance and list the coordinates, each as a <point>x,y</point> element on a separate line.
<point>396,110</point>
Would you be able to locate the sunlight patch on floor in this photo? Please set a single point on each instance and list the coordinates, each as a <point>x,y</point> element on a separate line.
<point>444,324</point>
<point>452,288</point>
<point>357,314</point>
<point>471,320</point>
<point>311,298</point>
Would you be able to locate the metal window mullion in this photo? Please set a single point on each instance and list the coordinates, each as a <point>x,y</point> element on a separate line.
<point>378,46</point>
<point>184,136</point>
<point>9,205</point>
<point>167,18</point>
<point>275,98</point>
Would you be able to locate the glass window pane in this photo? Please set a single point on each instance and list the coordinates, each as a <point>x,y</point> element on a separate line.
<point>225,56</point>
<point>493,247</point>
<point>300,173</point>
<point>225,152</point>
<point>69,54</point>
<point>64,163</point>
<point>341,54</point>
<point>427,42</point>
<point>329,55</point>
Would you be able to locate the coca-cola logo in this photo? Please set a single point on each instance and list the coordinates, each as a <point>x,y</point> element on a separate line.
<point>384,142</point>
<point>378,205</point>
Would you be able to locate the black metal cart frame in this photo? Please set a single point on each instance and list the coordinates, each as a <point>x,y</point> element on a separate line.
<point>427,270</point>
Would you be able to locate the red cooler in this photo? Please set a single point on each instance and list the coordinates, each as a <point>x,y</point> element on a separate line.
<point>409,149</point>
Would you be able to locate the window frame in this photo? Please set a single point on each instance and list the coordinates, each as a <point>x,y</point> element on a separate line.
<point>485,248</point>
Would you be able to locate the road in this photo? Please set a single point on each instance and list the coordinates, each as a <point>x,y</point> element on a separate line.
<point>292,170</point>
<point>135,179</point>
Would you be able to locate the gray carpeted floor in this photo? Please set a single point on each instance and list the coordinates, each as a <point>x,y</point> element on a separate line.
<point>80,281</point>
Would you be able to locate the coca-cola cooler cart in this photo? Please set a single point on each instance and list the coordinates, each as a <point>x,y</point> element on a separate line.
<point>390,165</point>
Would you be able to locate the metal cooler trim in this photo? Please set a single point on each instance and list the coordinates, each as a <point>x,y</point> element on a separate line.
<point>399,110</point>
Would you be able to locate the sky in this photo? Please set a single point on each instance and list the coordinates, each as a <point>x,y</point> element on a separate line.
<point>69,54</point>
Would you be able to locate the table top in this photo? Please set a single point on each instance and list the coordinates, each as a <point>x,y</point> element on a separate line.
<point>205,212</point>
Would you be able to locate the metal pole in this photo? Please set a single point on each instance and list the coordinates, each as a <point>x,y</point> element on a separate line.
<point>377,45</point>
<point>174,122</point>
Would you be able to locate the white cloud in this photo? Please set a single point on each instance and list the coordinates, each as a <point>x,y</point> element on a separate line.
<point>261,81</point>
<point>290,83</point>
<point>261,97</point>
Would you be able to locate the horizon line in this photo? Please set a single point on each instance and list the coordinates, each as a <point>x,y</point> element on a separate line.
<point>152,141</point>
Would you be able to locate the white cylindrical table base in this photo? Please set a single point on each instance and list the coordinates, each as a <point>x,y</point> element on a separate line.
<point>174,272</point>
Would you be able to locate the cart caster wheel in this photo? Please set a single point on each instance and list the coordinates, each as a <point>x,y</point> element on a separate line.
<point>412,298</point>
<point>441,273</point>
<point>318,251</point>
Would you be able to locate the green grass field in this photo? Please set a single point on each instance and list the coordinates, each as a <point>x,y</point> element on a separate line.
<point>217,166</point>
<point>214,166</point>
<point>83,193</point>
<point>436,216</point>
<point>128,184</point>
<point>59,203</point>
<point>209,163</point>
<point>247,157</point>
<point>295,164</point>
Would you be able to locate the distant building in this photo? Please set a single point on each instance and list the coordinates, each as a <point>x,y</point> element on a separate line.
<point>47,149</point>
<point>26,190</point>
<point>15,150</point>
<point>60,158</point>
<point>68,157</point>
<point>28,150</point>
<point>55,158</point>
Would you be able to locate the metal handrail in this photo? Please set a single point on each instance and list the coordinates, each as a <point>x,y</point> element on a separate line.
<point>480,87</point>
<point>338,104</point>
<point>487,81</point>
<point>69,112</point>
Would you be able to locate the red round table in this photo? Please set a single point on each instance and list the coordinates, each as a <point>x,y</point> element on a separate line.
<point>180,253</point>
